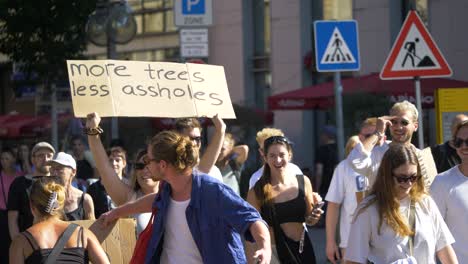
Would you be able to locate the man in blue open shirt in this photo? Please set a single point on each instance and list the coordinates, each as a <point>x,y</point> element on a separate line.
<point>199,219</point>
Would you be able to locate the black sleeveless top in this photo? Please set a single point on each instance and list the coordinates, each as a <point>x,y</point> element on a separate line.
<point>68,255</point>
<point>78,213</point>
<point>293,210</point>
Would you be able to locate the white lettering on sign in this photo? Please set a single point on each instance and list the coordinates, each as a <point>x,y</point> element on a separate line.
<point>191,3</point>
<point>291,103</point>
<point>427,99</point>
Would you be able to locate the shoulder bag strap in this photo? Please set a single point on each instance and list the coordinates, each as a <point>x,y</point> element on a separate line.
<point>60,244</point>
<point>412,222</point>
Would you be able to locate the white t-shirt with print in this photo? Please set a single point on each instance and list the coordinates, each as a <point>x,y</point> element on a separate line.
<point>342,191</point>
<point>293,168</point>
<point>432,234</point>
<point>450,192</point>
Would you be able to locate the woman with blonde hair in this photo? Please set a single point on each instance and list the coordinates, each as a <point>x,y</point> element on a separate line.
<point>398,222</point>
<point>51,239</point>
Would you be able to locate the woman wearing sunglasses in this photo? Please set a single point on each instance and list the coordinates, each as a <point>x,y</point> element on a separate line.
<point>450,192</point>
<point>285,201</point>
<point>398,222</point>
<point>141,182</point>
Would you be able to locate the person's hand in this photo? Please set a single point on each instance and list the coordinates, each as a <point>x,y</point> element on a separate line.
<point>333,252</point>
<point>108,218</point>
<point>314,217</point>
<point>316,198</point>
<point>93,120</point>
<point>218,123</point>
<point>263,255</point>
<point>383,123</point>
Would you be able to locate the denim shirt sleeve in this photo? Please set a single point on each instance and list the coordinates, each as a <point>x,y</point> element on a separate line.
<point>237,212</point>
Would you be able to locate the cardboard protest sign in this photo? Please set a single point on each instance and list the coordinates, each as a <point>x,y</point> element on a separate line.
<point>117,240</point>
<point>153,89</point>
<point>429,166</point>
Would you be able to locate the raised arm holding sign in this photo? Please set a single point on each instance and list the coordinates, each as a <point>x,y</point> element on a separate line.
<point>153,89</point>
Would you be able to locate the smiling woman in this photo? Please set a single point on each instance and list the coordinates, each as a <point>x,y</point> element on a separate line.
<point>285,201</point>
<point>397,213</point>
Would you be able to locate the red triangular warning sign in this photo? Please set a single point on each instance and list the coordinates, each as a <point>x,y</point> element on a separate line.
<point>414,53</point>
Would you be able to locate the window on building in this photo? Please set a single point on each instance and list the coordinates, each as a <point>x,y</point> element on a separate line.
<point>153,16</point>
<point>337,9</point>
<point>267,27</point>
<point>167,54</point>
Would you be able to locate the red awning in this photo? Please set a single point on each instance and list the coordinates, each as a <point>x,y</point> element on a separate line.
<point>27,125</point>
<point>321,96</point>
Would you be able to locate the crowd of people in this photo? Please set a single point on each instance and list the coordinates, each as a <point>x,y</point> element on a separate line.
<point>381,206</point>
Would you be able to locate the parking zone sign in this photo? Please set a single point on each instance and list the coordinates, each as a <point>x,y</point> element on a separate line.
<point>193,13</point>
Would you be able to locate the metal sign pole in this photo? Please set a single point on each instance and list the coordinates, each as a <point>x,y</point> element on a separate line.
<point>417,86</point>
<point>339,115</point>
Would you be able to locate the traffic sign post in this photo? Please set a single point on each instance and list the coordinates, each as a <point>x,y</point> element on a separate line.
<point>193,13</point>
<point>415,55</point>
<point>194,42</point>
<point>336,50</point>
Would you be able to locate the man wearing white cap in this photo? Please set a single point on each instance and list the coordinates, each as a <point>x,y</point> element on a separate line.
<point>19,212</point>
<point>78,205</point>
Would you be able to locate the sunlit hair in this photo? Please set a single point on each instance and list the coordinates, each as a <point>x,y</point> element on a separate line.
<point>187,123</point>
<point>266,133</point>
<point>385,188</point>
<point>41,192</point>
<point>228,137</point>
<point>458,119</point>
<point>263,188</point>
<point>405,106</point>
<point>352,142</point>
<point>459,126</point>
<point>175,149</point>
<point>371,121</point>
<point>133,176</point>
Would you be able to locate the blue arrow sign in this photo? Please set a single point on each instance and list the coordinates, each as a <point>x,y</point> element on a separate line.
<point>336,46</point>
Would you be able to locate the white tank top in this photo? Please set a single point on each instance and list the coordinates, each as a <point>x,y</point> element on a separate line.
<point>179,246</point>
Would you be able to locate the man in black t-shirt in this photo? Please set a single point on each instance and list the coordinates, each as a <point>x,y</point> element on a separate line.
<point>19,212</point>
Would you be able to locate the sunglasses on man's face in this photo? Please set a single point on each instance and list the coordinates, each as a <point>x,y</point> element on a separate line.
<point>402,122</point>
<point>458,142</point>
<point>405,179</point>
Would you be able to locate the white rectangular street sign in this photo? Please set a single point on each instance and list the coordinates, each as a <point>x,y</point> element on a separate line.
<point>194,50</point>
<point>193,13</point>
<point>195,35</point>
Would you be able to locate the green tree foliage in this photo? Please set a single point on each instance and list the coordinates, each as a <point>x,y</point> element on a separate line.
<point>41,34</point>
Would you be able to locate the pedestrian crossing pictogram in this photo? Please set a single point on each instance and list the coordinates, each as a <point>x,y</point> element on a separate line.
<point>414,53</point>
<point>336,45</point>
<point>337,50</point>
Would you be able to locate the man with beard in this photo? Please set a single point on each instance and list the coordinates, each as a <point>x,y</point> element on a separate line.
<point>19,211</point>
<point>199,219</point>
<point>402,122</point>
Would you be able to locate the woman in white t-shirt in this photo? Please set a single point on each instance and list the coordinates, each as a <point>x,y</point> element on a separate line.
<point>398,222</point>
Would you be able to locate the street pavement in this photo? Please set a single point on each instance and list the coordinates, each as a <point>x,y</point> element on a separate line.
<point>318,241</point>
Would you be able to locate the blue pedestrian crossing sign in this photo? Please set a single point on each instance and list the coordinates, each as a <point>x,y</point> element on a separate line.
<point>336,45</point>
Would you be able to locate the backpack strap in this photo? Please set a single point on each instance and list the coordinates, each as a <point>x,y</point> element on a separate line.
<point>60,244</point>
